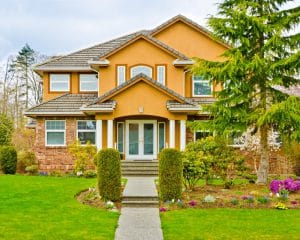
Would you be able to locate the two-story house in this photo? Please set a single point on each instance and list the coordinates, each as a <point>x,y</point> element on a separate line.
<point>133,93</point>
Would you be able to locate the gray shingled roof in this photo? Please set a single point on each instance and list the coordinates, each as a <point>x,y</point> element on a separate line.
<point>81,57</point>
<point>175,104</point>
<point>136,78</point>
<point>110,104</point>
<point>69,104</point>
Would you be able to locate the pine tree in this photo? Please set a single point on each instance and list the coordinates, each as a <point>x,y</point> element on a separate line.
<point>264,53</point>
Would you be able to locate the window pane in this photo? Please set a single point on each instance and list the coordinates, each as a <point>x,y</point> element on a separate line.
<point>161,74</point>
<point>200,135</point>
<point>161,135</point>
<point>236,138</point>
<point>121,137</point>
<point>85,137</point>
<point>55,138</point>
<point>88,82</point>
<point>121,74</point>
<point>55,125</point>
<point>148,138</point>
<point>133,138</point>
<point>86,125</point>
<point>202,88</point>
<point>59,82</point>
<point>141,69</point>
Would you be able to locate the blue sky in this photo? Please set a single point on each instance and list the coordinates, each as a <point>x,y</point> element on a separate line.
<point>60,26</point>
<point>55,27</point>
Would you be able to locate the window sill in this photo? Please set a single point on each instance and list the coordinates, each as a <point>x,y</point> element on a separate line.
<point>59,146</point>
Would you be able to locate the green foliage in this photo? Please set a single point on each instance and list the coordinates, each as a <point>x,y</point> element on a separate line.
<point>82,154</point>
<point>25,159</point>
<point>170,174</point>
<point>210,157</point>
<point>90,174</point>
<point>263,54</point>
<point>8,159</point>
<point>32,170</point>
<point>6,130</point>
<point>109,174</point>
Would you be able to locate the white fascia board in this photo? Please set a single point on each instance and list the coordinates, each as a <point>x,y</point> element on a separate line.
<point>53,113</point>
<point>104,62</point>
<point>179,62</point>
<point>97,109</point>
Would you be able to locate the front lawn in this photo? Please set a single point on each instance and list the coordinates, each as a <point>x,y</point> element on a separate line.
<point>45,208</point>
<point>209,224</point>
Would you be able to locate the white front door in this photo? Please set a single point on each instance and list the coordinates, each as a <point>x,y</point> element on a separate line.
<point>141,139</point>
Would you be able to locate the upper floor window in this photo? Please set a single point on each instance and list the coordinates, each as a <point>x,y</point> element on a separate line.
<point>161,74</point>
<point>88,82</point>
<point>59,82</point>
<point>201,87</point>
<point>121,74</point>
<point>55,132</point>
<point>141,69</point>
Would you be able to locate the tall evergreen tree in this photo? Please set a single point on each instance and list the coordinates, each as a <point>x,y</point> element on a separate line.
<point>264,53</point>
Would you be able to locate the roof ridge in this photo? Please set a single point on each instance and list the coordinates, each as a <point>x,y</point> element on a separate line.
<point>84,49</point>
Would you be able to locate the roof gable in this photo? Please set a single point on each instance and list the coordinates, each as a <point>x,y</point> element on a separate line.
<point>141,77</point>
<point>189,22</point>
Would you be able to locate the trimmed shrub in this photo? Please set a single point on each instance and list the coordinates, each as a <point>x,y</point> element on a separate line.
<point>170,174</point>
<point>32,170</point>
<point>8,159</point>
<point>6,130</point>
<point>25,159</point>
<point>109,174</point>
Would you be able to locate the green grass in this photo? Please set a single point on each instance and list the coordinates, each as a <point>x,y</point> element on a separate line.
<point>208,224</point>
<point>45,208</point>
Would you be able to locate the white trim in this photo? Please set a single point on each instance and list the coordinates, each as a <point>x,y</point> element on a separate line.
<point>184,109</point>
<point>104,62</point>
<point>193,88</point>
<point>145,66</point>
<point>110,133</point>
<point>99,134</point>
<point>90,81</point>
<point>179,62</point>
<point>172,133</point>
<point>140,155</point>
<point>182,134</point>
<point>54,113</point>
<point>158,69</point>
<point>86,130</point>
<point>59,81</point>
<point>62,68</point>
<point>158,143</point>
<point>96,109</point>
<point>121,74</point>
<point>55,130</point>
<point>123,137</point>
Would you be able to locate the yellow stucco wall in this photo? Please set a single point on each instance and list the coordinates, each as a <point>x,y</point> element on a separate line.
<point>190,42</point>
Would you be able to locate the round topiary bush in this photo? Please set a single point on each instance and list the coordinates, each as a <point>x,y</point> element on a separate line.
<point>170,174</point>
<point>8,159</point>
<point>109,174</point>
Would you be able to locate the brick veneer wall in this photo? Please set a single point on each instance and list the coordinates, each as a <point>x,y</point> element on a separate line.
<point>56,159</point>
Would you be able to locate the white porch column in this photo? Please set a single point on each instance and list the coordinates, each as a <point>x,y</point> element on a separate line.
<point>99,134</point>
<point>182,134</point>
<point>172,133</point>
<point>110,133</point>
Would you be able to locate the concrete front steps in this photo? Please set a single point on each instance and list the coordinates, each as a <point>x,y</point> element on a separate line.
<point>140,201</point>
<point>139,168</point>
<point>140,192</point>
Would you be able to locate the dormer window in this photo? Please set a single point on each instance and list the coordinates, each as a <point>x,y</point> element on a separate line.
<point>141,69</point>
<point>59,82</point>
<point>88,82</point>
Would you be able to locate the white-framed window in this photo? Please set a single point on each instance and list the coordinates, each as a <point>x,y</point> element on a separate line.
<point>120,136</point>
<point>161,136</point>
<point>88,82</point>
<point>141,69</point>
<point>236,139</point>
<point>59,82</point>
<point>200,134</point>
<point>86,131</point>
<point>55,132</point>
<point>161,74</point>
<point>201,87</point>
<point>121,74</point>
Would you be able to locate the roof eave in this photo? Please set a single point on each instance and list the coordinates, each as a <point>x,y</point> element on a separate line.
<point>100,63</point>
<point>37,114</point>
<point>181,63</point>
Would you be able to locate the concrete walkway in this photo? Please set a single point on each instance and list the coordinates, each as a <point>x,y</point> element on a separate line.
<point>139,223</point>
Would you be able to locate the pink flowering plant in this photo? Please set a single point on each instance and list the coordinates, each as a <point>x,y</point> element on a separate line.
<point>288,184</point>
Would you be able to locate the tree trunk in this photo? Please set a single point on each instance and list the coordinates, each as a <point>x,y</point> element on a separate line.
<point>263,170</point>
